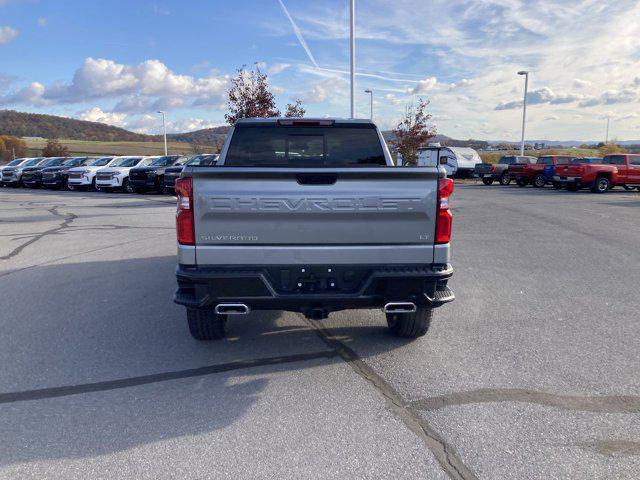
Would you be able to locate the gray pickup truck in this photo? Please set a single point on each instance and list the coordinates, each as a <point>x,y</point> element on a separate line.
<point>311,216</point>
<point>489,172</point>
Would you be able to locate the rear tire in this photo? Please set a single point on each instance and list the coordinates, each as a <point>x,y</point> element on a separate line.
<point>505,179</point>
<point>410,325</point>
<point>521,182</point>
<point>601,185</point>
<point>539,181</point>
<point>206,324</point>
<point>557,185</point>
<point>629,188</point>
<point>487,181</point>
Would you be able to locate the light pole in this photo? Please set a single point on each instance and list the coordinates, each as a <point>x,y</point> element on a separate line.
<point>524,106</point>
<point>164,127</point>
<point>353,58</point>
<point>606,139</point>
<point>370,92</point>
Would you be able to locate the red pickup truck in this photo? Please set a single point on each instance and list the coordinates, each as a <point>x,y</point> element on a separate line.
<point>615,170</point>
<point>524,173</point>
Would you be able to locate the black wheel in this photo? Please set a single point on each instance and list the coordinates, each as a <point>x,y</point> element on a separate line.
<point>487,181</point>
<point>601,185</point>
<point>557,185</point>
<point>93,184</point>
<point>505,179</point>
<point>629,188</point>
<point>521,182</point>
<point>410,325</point>
<point>573,187</point>
<point>539,181</point>
<point>206,325</point>
<point>126,187</point>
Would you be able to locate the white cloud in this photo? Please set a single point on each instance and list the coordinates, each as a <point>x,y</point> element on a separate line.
<point>42,21</point>
<point>424,86</point>
<point>541,96</point>
<point>96,114</point>
<point>277,68</point>
<point>103,78</point>
<point>7,34</point>
<point>578,83</point>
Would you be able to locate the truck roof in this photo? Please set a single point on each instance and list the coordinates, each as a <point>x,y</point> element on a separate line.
<point>304,119</point>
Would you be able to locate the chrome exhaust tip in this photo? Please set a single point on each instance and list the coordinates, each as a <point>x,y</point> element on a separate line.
<point>232,309</point>
<point>399,307</point>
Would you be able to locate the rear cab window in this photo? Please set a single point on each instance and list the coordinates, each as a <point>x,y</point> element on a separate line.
<point>614,160</point>
<point>305,145</point>
<point>508,160</point>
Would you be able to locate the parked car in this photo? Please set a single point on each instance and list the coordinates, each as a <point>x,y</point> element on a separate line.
<point>56,177</point>
<point>151,177</point>
<point>32,176</point>
<point>172,173</point>
<point>613,170</point>
<point>489,172</point>
<point>525,174</point>
<point>11,174</point>
<point>302,230</point>
<point>116,175</point>
<point>84,178</point>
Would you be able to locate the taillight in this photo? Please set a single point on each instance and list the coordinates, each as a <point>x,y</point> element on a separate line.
<point>184,215</point>
<point>492,168</point>
<point>443,216</point>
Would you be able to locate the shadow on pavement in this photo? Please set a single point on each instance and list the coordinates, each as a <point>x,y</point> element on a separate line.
<point>92,322</point>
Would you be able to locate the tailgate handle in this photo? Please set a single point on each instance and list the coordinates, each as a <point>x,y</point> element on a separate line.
<point>316,178</point>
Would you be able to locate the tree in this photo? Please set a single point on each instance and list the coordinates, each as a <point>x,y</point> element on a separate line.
<point>295,109</point>
<point>610,149</point>
<point>412,132</point>
<point>249,96</point>
<point>55,149</point>
<point>197,149</point>
<point>10,146</point>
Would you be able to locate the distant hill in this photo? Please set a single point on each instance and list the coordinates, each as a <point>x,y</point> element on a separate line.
<point>446,141</point>
<point>206,136</point>
<point>22,124</point>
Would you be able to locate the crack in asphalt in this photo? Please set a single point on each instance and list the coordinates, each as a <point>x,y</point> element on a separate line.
<point>67,219</point>
<point>444,453</point>
<point>67,390</point>
<point>612,448</point>
<point>599,404</point>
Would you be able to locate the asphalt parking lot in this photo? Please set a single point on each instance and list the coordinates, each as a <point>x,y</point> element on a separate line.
<point>532,373</point>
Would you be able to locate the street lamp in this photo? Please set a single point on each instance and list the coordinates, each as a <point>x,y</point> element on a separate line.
<point>524,106</point>
<point>370,92</point>
<point>164,127</point>
<point>353,58</point>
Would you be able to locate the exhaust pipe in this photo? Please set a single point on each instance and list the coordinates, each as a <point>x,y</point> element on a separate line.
<point>399,307</point>
<point>231,309</point>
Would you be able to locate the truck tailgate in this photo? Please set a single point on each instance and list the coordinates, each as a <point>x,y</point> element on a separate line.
<point>306,216</point>
<point>569,170</point>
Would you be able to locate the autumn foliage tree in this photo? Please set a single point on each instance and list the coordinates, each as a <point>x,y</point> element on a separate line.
<point>249,97</point>
<point>55,149</point>
<point>295,109</point>
<point>10,146</point>
<point>413,131</point>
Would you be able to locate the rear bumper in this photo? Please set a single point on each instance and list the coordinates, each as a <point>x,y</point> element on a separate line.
<point>560,179</point>
<point>301,289</point>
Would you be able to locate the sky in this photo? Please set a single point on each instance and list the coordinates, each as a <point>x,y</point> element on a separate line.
<point>119,62</point>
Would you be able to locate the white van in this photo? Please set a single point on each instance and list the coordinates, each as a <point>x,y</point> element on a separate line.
<point>459,161</point>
